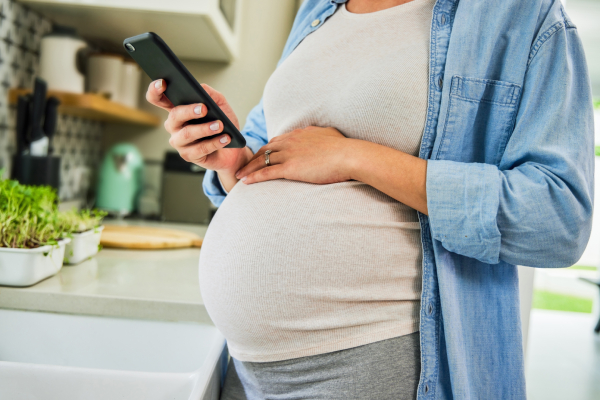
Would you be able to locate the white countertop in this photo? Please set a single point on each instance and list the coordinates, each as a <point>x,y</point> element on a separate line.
<point>146,284</point>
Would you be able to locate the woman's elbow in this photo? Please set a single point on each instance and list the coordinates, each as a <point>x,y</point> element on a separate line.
<point>570,254</point>
<point>570,241</point>
<point>553,243</point>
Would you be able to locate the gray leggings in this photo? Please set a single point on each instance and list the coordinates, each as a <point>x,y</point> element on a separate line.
<point>383,370</point>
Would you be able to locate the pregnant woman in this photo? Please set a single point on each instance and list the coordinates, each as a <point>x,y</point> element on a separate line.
<point>405,157</point>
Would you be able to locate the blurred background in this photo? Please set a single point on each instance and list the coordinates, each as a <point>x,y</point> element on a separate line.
<point>108,148</point>
<point>563,352</point>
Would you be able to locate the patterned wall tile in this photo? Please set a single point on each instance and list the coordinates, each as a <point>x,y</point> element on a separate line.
<point>77,141</point>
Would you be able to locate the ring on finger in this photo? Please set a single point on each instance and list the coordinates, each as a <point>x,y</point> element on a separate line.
<point>267,160</point>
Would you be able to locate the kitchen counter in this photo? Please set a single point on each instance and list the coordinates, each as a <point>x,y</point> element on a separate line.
<point>145,284</point>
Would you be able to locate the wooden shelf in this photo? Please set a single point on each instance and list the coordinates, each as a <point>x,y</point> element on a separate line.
<point>94,107</point>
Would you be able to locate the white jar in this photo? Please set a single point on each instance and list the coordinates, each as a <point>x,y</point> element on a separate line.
<point>59,62</point>
<point>130,84</point>
<point>104,74</point>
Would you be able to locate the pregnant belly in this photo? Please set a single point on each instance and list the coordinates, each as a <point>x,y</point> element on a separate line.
<point>285,259</point>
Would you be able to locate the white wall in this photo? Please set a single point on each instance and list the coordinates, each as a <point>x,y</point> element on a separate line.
<point>264,28</point>
<point>586,16</point>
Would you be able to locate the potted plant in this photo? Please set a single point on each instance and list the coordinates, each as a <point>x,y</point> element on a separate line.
<point>32,242</point>
<point>84,227</point>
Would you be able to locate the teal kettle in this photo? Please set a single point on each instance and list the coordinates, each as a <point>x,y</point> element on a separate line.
<point>120,179</point>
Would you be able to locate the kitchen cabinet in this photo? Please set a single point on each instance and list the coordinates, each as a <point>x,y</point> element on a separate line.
<point>194,29</point>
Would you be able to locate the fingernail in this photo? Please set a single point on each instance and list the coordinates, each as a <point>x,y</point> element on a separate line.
<point>198,109</point>
<point>243,179</point>
<point>214,126</point>
<point>158,84</point>
<point>223,139</point>
<point>237,174</point>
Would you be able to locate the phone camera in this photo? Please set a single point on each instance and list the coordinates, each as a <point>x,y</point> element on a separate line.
<point>129,47</point>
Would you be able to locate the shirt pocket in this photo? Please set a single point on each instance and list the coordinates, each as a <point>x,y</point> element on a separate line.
<point>481,116</point>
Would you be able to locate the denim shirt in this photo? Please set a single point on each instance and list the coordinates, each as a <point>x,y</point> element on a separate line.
<point>510,148</point>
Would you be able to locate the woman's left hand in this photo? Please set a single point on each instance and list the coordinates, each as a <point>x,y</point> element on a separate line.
<point>314,155</point>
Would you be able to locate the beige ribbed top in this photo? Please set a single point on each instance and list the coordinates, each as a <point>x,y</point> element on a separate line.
<point>291,269</point>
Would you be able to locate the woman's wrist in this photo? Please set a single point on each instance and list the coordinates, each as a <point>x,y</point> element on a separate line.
<point>354,158</point>
<point>227,176</point>
<point>397,174</point>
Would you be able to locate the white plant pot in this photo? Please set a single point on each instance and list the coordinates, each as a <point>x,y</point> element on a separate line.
<point>83,246</point>
<point>25,267</point>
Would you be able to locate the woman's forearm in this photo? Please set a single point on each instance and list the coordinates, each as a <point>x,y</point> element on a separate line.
<point>397,174</point>
<point>323,155</point>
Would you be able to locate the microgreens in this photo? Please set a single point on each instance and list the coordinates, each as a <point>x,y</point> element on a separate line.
<point>75,221</point>
<point>29,216</point>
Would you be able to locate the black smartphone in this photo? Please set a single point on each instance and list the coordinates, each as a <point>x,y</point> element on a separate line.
<point>158,61</point>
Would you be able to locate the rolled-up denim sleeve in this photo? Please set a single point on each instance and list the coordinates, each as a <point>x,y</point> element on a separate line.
<point>462,200</point>
<point>255,133</point>
<point>535,207</point>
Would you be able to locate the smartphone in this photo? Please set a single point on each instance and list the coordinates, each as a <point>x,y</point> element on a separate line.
<point>158,61</point>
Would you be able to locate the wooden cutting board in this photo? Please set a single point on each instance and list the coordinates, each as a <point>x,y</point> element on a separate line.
<point>142,237</point>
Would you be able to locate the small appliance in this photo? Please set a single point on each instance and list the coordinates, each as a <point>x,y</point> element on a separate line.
<point>120,180</point>
<point>182,197</point>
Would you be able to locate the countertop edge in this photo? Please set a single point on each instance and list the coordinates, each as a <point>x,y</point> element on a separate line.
<point>11,298</point>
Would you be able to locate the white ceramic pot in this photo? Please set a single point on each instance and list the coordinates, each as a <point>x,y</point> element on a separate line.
<point>25,267</point>
<point>130,84</point>
<point>83,246</point>
<point>104,75</point>
<point>59,62</point>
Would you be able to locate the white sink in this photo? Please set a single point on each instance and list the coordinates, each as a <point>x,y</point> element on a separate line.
<point>71,357</point>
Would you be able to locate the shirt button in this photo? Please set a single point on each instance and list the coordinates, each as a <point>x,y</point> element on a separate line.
<point>315,23</point>
<point>441,83</point>
<point>443,19</point>
<point>430,309</point>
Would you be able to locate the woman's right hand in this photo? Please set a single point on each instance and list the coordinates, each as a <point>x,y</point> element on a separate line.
<point>185,137</point>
